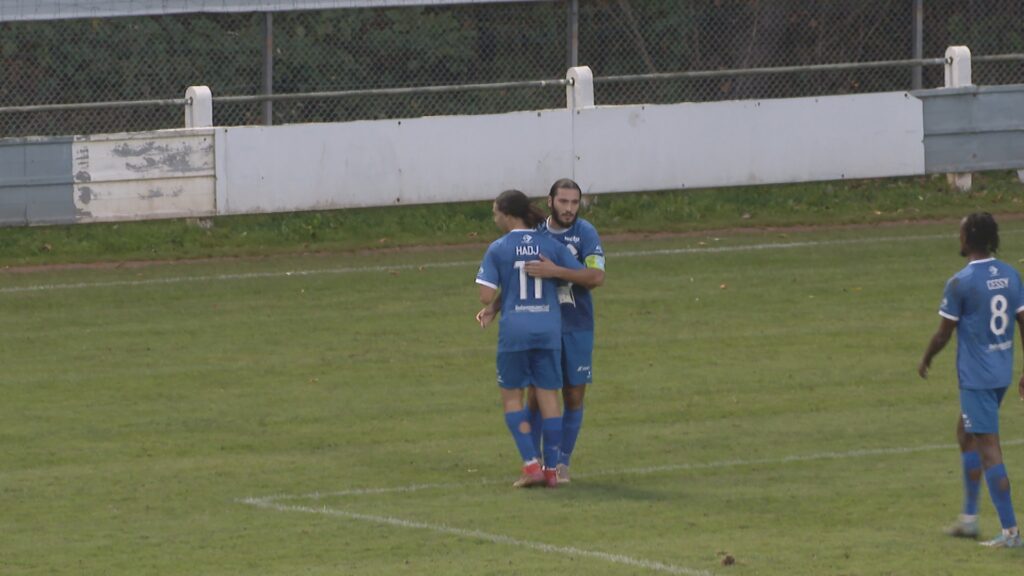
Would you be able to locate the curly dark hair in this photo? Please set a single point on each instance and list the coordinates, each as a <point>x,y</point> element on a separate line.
<point>981,233</point>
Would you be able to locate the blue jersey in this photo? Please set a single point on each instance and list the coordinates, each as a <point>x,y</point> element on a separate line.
<point>577,306</point>
<point>530,317</point>
<point>984,299</point>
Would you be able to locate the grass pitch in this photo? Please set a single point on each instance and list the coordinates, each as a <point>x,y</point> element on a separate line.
<point>755,396</point>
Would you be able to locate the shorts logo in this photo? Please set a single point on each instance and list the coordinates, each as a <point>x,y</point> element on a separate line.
<point>967,421</point>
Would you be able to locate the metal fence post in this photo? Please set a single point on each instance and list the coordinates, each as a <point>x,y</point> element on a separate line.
<point>915,79</point>
<point>958,74</point>
<point>573,33</point>
<point>268,67</point>
<point>198,107</point>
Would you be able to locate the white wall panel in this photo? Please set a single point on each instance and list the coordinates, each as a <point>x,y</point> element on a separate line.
<point>387,162</point>
<point>656,147</point>
<point>144,175</point>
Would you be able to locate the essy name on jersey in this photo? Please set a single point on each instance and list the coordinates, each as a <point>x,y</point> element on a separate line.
<point>998,283</point>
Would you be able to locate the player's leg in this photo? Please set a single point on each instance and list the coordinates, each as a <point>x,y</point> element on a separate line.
<point>513,378</point>
<point>577,355</point>
<point>966,525</point>
<point>536,420</point>
<point>983,422</point>
<point>547,381</point>
<point>999,490</point>
<point>572,422</point>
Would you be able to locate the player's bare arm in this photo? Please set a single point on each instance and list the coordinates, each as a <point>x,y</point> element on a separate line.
<point>488,297</point>
<point>589,278</point>
<point>936,344</point>
<point>489,312</point>
<point>1020,326</point>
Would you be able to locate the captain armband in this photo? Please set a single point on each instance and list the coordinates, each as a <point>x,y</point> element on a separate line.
<point>595,261</point>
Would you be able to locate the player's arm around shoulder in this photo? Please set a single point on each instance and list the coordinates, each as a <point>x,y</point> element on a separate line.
<point>592,255</point>
<point>563,265</point>
<point>559,263</point>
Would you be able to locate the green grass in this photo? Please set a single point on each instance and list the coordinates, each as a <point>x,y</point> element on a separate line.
<point>821,203</point>
<point>757,402</point>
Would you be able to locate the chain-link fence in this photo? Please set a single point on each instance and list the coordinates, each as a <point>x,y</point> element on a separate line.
<point>143,58</point>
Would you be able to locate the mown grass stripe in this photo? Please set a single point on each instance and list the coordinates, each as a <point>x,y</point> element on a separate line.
<point>455,264</point>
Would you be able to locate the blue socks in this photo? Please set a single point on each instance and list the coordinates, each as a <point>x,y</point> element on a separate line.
<point>523,441</point>
<point>572,420</point>
<point>999,490</point>
<point>552,429</point>
<point>971,463</point>
<point>536,429</point>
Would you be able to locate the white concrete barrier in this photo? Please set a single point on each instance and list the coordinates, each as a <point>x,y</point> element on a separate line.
<point>390,162</point>
<point>135,176</point>
<point>633,148</point>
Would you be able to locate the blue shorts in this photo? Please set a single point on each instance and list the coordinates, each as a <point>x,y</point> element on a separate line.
<point>577,355</point>
<point>538,367</point>
<point>979,410</point>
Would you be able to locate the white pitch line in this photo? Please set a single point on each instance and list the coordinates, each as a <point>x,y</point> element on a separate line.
<point>467,263</point>
<point>271,502</point>
<point>227,277</point>
<point>485,536</point>
<point>638,471</point>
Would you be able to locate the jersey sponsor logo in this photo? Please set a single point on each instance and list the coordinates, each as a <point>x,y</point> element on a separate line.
<point>1001,346</point>
<point>533,308</point>
<point>571,239</point>
<point>997,283</point>
<point>527,238</point>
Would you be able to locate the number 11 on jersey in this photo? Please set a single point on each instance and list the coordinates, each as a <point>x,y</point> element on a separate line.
<point>538,286</point>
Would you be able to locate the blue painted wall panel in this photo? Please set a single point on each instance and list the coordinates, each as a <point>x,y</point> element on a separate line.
<point>973,129</point>
<point>36,184</point>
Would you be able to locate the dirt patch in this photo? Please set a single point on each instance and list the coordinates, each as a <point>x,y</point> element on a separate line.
<point>608,239</point>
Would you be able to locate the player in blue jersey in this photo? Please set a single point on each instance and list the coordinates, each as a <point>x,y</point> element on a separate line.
<point>529,333</point>
<point>582,239</point>
<point>580,236</point>
<point>982,303</point>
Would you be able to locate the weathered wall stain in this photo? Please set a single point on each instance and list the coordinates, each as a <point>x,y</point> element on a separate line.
<point>152,156</point>
<point>126,150</point>
<point>153,193</point>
